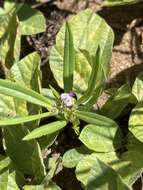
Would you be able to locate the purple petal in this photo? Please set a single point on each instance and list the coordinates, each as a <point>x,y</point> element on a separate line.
<point>67,99</point>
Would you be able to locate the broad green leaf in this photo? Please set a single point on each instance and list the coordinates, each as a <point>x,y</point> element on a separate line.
<point>137,88</point>
<point>136,122</point>
<point>46,130</point>
<point>95,119</point>
<point>69,60</point>
<point>98,138</point>
<point>93,82</point>
<point>135,156</point>
<point>25,69</point>
<point>128,165</point>
<point>10,40</point>
<point>9,5</point>
<point>134,170</point>
<point>26,72</point>
<point>15,90</point>
<point>7,176</point>
<point>4,22</point>
<point>104,177</point>
<point>32,22</point>
<point>121,166</point>
<point>7,107</point>
<point>85,165</point>
<point>24,119</point>
<point>116,103</point>
<point>111,3</point>
<point>89,31</point>
<point>73,156</point>
<point>133,143</point>
<point>25,155</point>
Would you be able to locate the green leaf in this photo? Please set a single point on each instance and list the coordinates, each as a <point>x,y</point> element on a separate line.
<point>99,138</point>
<point>26,72</point>
<point>51,166</point>
<point>24,119</point>
<point>89,31</point>
<point>32,22</point>
<point>49,94</point>
<point>116,103</point>
<point>7,176</point>
<point>134,170</point>
<point>26,156</point>
<point>10,39</point>
<point>104,177</point>
<point>89,105</point>
<point>69,60</point>
<point>14,90</point>
<point>95,119</point>
<point>135,157</point>
<point>137,88</point>
<point>4,21</point>
<point>111,3</point>
<point>86,164</point>
<point>9,5</point>
<point>50,186</point>
<point>48,140</point>
<point>136,122</point>
<point>128,165</point>
<point>54,92</point>
<point>93,82</point>
<point>84,167</point>
<point>46,129</point>
<point>73,156</point>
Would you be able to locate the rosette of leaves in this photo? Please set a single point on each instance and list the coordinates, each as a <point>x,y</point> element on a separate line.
<point>80,64</point>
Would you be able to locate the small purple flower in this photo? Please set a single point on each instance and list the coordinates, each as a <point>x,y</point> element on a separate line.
<point>72,94</point>
<point>68,98</point>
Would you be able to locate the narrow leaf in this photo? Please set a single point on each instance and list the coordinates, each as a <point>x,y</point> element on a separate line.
<point>97,92</point>
<point>89,31</point>
<point>95,119</point>
<point>24,119</point>
<point>14,90</point>
<point>92,83</point>
<point>55,93</point>
<point>69,60</point>
<point>45,130</point>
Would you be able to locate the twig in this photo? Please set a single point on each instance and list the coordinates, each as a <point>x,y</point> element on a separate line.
<point>42,3</point>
